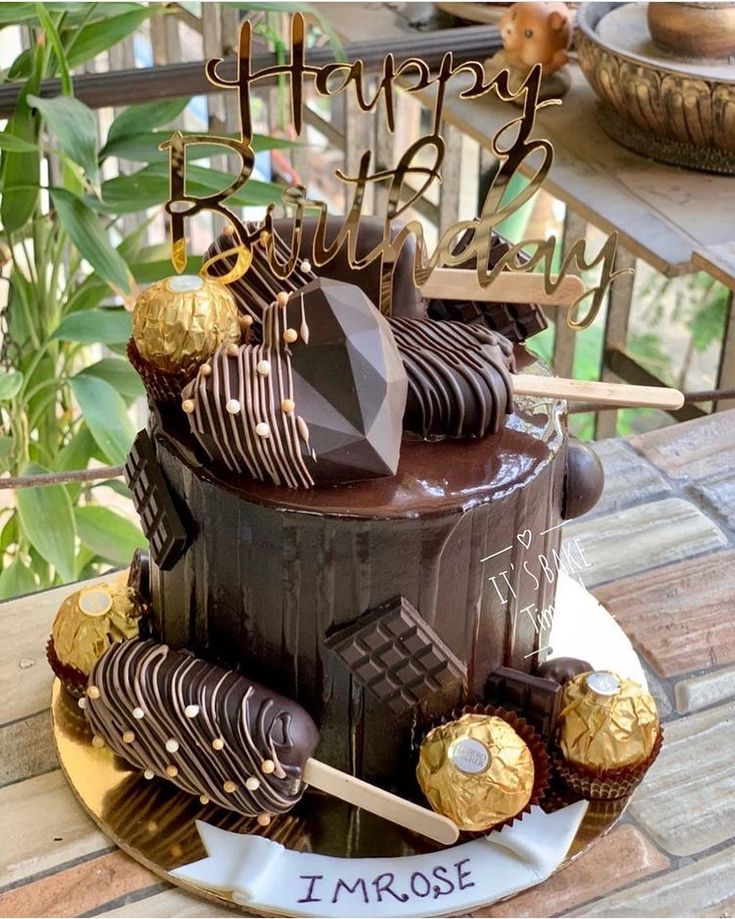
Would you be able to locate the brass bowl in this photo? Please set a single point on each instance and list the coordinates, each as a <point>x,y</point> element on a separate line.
<point>702,29</point>
<point>680,111</point>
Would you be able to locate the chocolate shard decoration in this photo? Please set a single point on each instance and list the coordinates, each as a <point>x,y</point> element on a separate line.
<point>459,381</point>
<point>394,653</point>
<point>534,698</point>
<point>515,321</point>
<point>161,522</point>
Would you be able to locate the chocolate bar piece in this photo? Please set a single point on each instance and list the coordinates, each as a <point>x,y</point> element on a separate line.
<point>161,522</point>
<point>393,652</point>
<point>534,698</point>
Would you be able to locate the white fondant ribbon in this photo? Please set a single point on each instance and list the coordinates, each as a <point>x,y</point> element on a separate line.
<point>266,876</point>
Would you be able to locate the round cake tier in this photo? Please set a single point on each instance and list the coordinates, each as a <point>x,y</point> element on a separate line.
<point>273,578</point>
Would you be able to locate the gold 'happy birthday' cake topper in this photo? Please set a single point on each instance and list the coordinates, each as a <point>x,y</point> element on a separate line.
<point>513,146</point>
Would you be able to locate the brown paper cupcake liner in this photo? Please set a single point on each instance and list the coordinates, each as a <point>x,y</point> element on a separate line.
<point>72,679</point>
<point>542,766</point>
<point>608,785</point>
<point>160,386</point>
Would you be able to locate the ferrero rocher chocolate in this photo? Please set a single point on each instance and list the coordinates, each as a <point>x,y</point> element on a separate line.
<point>607,721</point>
<point>476,770</point>
<point>89,621</point>
<point>180,322</point>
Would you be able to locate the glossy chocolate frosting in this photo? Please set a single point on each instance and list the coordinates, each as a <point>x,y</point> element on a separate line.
<point>210,731</point>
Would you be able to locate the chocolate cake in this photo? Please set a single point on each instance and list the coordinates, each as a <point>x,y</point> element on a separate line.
<point>351,507</point>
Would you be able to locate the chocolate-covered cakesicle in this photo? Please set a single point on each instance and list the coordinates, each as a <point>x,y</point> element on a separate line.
<point>211,731</point>
<point>216,734</point>
<point>459,381</point>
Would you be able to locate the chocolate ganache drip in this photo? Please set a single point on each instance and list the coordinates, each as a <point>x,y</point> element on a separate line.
<point>459,381</point>
<point>211,731</point>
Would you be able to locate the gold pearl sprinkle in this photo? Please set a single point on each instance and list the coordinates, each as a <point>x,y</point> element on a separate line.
<point>229,787</point>
<point>264,237</point>
<point>267,766</point>
<point>203,799</point>
<point>82,703</point>
<point>232,406</point>
<point>205,370</point>
<point>247,321</point>
<point>232,350</point>
<point>93,692</point>
<point>252,784</point>
<point>138,712</point>
<point>191,711</point>
<point>290,336</point>
<point>98,741</point>
<point>282,298</point>
<point>218,743</point>
<point>148,774</point>
<point>188,405</point>
<point>287,406</point>
<point>305,265</point>
<point>128,737</point>
<point>262,429</point>
<point>264,819</point>
<point>172,745</point>
<point>172,772</point>
<point>176,850</point>
<point>264,368</point>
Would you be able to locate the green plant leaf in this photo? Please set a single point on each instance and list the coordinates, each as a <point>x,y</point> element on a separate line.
<point>12,14</point>
<point>137,119</point>
<point>77,452</point>
<point>107,326</point>
<point>106,415</point>
<point>108,534</point>
<point>149,187</point>
<point>143,147</point>
<point>47,520</point>
<point>6,446</point>
<point>52,37</point>
<point>90,293</point>
<point>148,272</point>
<point>119,374</point>
<point>88,235</point>
<point>10,384</point>
<point>16,144</point>
<point>21,171</point>
<point>17,580</point>
<point>74,126</point>
<point>99,36</point>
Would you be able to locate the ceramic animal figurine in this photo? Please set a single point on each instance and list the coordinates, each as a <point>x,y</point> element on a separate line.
<point>535,33</point>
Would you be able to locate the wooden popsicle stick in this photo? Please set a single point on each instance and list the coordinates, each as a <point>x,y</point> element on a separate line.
<point>622,394</point>
<point>383,803</point>
<point>508,287</point>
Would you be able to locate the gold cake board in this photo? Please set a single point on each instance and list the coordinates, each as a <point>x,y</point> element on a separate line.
<point>155,823</point>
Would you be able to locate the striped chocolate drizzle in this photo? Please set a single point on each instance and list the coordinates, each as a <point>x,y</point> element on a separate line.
<point>258,287</point>
<point>283,454</point>
<point>250,726</point>
<point>459,382</point>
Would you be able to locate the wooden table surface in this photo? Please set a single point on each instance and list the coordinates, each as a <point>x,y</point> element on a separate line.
<point>662,547</point>
<point>676,220</point>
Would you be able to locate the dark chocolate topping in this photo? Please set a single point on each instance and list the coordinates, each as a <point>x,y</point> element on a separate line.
<point>459,381</point>
<point>562,669</point>
<point>585,479</point>
<point>211,731</point>
<point>258,287</point>
<point>396,654</point>
<point>320,401</point>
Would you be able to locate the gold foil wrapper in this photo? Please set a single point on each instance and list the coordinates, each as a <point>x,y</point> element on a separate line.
<point>607,722</point>
<point>180,322</point>
<point>476,770</point>
<point>90,620</point>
